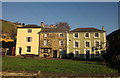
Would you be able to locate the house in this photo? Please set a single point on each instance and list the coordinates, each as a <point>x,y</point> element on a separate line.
<point>53,42</point>
<point>86,43</point>
<point>27,40</point>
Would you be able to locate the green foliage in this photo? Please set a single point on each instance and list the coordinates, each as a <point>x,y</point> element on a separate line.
<point>53,66</point>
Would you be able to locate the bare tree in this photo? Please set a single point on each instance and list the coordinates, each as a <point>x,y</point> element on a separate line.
<point>13,32</point>
<point>63,25</point>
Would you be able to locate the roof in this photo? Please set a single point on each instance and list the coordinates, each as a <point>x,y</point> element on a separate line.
<point>30,27</point>
<point>87,30</point>
<point>52,30</point>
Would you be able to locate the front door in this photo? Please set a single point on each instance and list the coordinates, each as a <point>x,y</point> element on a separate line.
<point>54,53</point>
<point>20,50</point>
<point>87,54</point>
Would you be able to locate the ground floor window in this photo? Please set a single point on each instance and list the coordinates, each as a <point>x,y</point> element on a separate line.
<point>76,52</point>
<point>97,53</point>
<point>28,48</point>
<point>45,50</point>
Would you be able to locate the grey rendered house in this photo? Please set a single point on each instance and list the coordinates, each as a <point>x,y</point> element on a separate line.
<point>86,43</point>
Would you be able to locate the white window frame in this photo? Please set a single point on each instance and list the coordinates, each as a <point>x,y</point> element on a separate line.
<point>98,35</point>
<point>45,42</point>
<point>74,35</point>
<point>27,49</point>
<point>27,39</point>
<point>60,34</point>
<point>75,54</point>
<point>28,30</point>
<point>89,43</point>
<point>95,43</point>
<point>78,44</point>
<point>45,35</point>
<point>60,42</point>
<point>85,35</point>
<point>95,53</point>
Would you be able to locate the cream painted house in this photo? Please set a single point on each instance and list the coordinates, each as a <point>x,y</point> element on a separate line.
<point>27,40</point>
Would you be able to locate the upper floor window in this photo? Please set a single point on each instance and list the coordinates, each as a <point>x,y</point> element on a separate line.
<point>76,44</point>
<point>61,42</point>
<point>28,48</point>
<point>29,30</point>
<point>87,35</point>
<point>87,44</point>
<point>45,35</point>
<point>29,39</point>
<point>96,35</point>
<point>61,34</point>
<point>97,43</point>
<point>76,35</point>
<point>45,42</point>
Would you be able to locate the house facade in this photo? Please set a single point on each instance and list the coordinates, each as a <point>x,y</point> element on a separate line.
<point>86,43</point>
<point>27,40</point>
<point>53,42</point>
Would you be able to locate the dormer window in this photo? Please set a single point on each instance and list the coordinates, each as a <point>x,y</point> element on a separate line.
<point>29,30</point>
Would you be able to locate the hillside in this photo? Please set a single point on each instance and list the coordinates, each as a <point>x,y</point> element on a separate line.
<point>8,27</point>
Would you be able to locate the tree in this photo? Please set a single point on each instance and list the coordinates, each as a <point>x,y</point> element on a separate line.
<point>63,25</point>
<point>13,32</point>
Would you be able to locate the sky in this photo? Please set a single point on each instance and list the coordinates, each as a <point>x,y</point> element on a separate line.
<point>77,14</point>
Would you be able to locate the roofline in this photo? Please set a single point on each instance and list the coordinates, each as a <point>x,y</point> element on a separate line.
<point>28,27</point>
<point>88,31</point>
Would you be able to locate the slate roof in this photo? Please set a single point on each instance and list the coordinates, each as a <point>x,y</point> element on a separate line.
<point>87,30</point>
<point>52,30</point>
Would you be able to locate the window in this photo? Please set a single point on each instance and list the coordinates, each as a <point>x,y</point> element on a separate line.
<point>97,53</point>
<point>61,42</point>
<point>87,35</point>
<point>29,39</point>
<point>76,44</point>
<point>45,42</point>
<point>87,44</point>
<point>28,48</point>
<point>97,44</point>
<point>61,34</point>
<point>29,30</point>
<point>76,52</point>
<point>45,35</point>
<point>76,35</point>
<point>96,35</point>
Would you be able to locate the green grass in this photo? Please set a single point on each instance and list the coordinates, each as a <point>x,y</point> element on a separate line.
<point>53,66</point>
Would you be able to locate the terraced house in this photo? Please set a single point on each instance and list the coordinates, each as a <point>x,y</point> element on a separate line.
<point>86,43</point>
<point>27,40</point>
<point>53,42</point>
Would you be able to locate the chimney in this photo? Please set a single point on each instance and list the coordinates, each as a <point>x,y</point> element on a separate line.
<point>42,24</point>
<point>52,25</point>
<point>103,28</point>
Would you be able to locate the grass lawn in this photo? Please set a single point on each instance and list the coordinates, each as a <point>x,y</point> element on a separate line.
<point>53,66</point>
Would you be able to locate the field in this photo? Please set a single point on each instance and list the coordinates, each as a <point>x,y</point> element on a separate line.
<point>53,65</point>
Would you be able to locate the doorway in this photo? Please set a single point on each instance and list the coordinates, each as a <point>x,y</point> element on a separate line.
<point>87,54</point>
<point>20,50</point>
<point>54,53</point>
